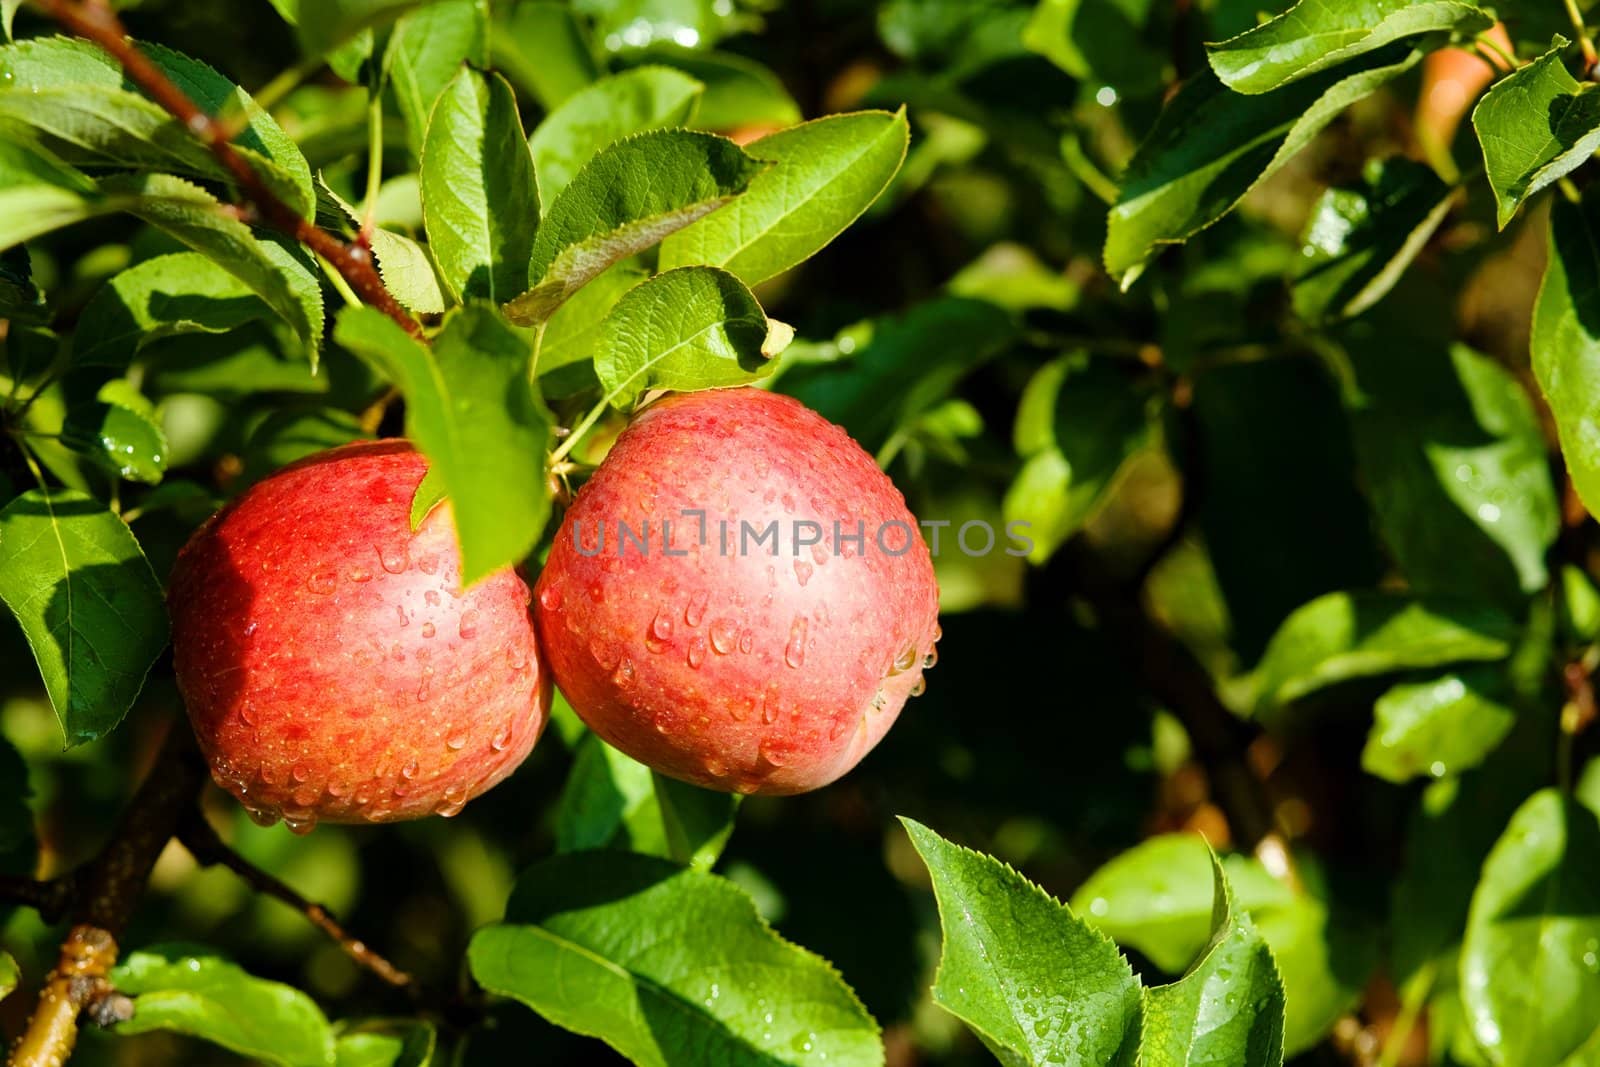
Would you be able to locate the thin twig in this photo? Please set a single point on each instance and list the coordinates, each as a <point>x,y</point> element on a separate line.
<point>1584,41</point>
<point>95,21</point>
<point>201,839</point>
<point>50,899</point>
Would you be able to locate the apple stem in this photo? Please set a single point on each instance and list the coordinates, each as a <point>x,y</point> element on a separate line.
<point>94,20</point>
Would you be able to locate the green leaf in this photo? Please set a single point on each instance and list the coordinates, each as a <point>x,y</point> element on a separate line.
<point>21,300</point>
<point>1228,1008</point>
<point>1104,41</point>
<point>690,328</point>
<point>471,412</point>
<point>278,274</point>
<point>326,24</point>
<point>1535,126</point>
<point>1454,462</point>
<point>667,965</point>
<point>386,1043</point>
<point>10,973</point>
<point>1078,422</point>
<point>1444,725</point>
<point>1157,897</point>
<point>8,12</point>
<point>1530,964</point>
<point>738,92</point>
<point>28,164</point>
<point>1315,35</point>
<point>573,333</point>
<point>405,266</point>
<point>121,433</point>
<point>87,601</point>
<point>178,293</point>
<point>645,98</point>
<point>74,95</point>
<point>27,211</point>
<point>1361,239</point>
<point>1037,984</point>
<point>610,801</point>
<point>629,25</point>
<point>541,48</point>
<point>190,990</point>
<point>426,51</point>
<point>1210,146</point>
<point>823,175</point>
<point>479,199</point>
<point>900,367</point>
<point>19,850</point>
<point>626,199</point>
<point>1342,636</point>
<point>1566,340</point>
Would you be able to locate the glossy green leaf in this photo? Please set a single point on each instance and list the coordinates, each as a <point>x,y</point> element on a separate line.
<point>1444,725</point>
<point>573,333</point>
<point>630,25</point>
<point>324,25</point>
<point>1580,604</point>
<point>10,974</point>
<point>690,328</point>
<point>120,432</point>
<point>87,601</point>
<point>1535,126</point>
<point>1360,239</point>
<point>667,965</point>
<point>256,358</point>
<point>823,175</point>
<point>738,92</point>
<point>1228,1008</point>
<point>471,412</point>
<point>278,274</point>
<point>1454,461</point>
<point>386,1043</point>
<point>191,990</point>
<point>75,96</point>
<point>1566,340</point>
<point>1036,983</point>
<point>628,198</point>
<point>1157,897</point>
<point>542,49</point>
<point>405,266</point>
<point>1078,422</point>
<point>1530,964</point>
<point>1210,146</point>
<point>610,801</point>
<point>27,211</point>
<point>8,13</point>
<point>1324,957</point>
<point>1317,34</point>
<point>31,164</point>
<point>479,199</point>
<point>178,293</point>
<point>1342,636</point>
<point>645,98</point>
<point>19,850</point>
<point>426,51</point>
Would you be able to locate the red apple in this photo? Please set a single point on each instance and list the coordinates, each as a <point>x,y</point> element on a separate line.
<point>332,665</point>
<point>730,666</point>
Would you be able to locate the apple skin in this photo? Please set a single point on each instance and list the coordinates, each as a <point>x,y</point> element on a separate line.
<point>332,666</point>
<point>742,672</point>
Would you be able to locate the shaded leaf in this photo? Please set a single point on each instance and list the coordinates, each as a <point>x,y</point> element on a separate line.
<point>1106,41</point>
<point>19,850</point>
<point>178,293</point>
<point>386,1043</point>
<point>426,51</point>
<point>667,965</point>
<point>573,333</point>
<point>10,974</point>
<point>823,175</point>
<point>87,601</point>
<point>1034,982</point>
<point>324,25</point>
<point>120,432</point>
<point>645,98</point>
<point>1566,340</point>
<point>541,48</point>
<point>738,93</point>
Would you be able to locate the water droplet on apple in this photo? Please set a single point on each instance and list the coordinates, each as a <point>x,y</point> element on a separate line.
<point>338,790</point>
<point>931,659</point>
<point>741,708</point>
<point>409,771</point>
<point>662,626</point>
<point>269,774</point>
<point>697,651</point>
<point>746,787</point>
<point>469,624</point>
<point>516,656</point>
<point>836,729</point>
<point>394,559</point>
<point>307,795</point>
<point>795,652</point>
<point>422,690</point>
<point>260,816</point>
<point>938,631</point>
<point>431,598</point>
<point>919,687</point>
<point>428,565</point>
<point>322,582</point>
<point>501,740</point>
<point>550,596</point>
<point>597,592</point>
<point>250,630</point>
<point>428,629</point>
<point>746,642</point>
<point>904,660</point>
<point>769,707</point>
<point>802,571</point>
<point>456,743</point>
<point>696,611</point>
<point>299,773</point>
<point>400,612</point>
<point>604,654</point>
<point>359,574</point>
<point>723,635</point>
<point>401,790</point>
<point>449,809</point>
<point>624,676</point>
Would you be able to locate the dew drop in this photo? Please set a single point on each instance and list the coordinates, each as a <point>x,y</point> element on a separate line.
<point>662,626</point>
<point>769,707</point>
<point>430,565</point>
<point>394,559</point>
<point>931,659</point>
<point>624,676</point>
<point>919,687</point>
<point>794,654</point>
<point>550,596</point>
<point>715,768</point>
<point>422,690</point>
<point>449,809</point>
<point>261,816</point>
<point>322,582</point>
<point>746,642</point>
<point>724,634</point>
<point>250,630</point>
<point>456,743</point>
<point>746,787</point>
<point>501,740</point>
<point>696,611</point>
<point>469,624</point>
<point>428,629</point>
<point>301,827</point>
<point>400,610</point>
<point>359,575</point>
<point>802,571</point>
<point>697,651</point>
<point>409,771</point>
<point>307,795</point>
<point>597,592</point>
<point>431,598</point>
<point>741,708</point>
<point>773,754</point>
<point>837,729</point>
<point>516,656</point>
<point>904,660</point>
<point>299,773</point>
<point>604,654</point>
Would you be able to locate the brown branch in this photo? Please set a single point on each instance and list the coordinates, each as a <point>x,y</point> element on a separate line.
<point>95,21</point>
<point>50,899</point>
<point>202,840</point>
<point>106,891</point>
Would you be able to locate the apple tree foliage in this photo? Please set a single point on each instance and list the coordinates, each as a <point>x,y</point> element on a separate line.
<point>1276,325</point>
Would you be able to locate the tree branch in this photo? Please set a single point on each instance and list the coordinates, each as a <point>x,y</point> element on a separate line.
<point>50,899</point>
<point>95,21</point>
<point>202,840</point>
<point>107,890</point>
